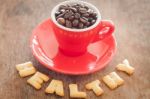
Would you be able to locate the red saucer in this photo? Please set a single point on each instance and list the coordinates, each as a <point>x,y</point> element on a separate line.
<point>45,49</point>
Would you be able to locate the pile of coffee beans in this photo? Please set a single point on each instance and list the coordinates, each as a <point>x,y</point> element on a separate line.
<point>76,16</point>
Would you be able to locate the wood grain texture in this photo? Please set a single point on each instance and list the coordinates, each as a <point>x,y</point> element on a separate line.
<point>132,21</point>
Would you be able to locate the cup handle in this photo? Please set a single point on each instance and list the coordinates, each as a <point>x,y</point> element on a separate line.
<point>105,29</point>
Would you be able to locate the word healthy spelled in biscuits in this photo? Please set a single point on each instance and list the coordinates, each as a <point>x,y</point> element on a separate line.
<point>112,80</point>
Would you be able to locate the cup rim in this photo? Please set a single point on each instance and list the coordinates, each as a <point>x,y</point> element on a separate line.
<point>80,2</point>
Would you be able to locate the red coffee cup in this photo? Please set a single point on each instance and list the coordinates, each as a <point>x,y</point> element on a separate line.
<point>74,42</point>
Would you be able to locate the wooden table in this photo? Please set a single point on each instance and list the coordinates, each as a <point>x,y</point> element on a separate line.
<point>132,21</point>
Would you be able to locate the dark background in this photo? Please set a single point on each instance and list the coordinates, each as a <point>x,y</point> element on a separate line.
<point>132,21</point>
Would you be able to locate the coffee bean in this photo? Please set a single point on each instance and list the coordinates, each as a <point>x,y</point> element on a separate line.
<point>57,13</point>
<point>77,15</point>
<point>67,15</point>
<point>68,24</point>
<point>71,18</point>
<point>87,24</point>
<point>61,15</point>
<point>62,10</point>
<point>80,5</point>
<point>93,21</point>
<point>68,5</point>
<point>86,7</point>
<point>81,25</point>
<point>73,9</point>
<point>90,11</point>
<point>94,14</point>
<point>62,7</point>
<point>74,5</point>
<point>83,20</point>
<point>82,10</point>
<point>85,15</point>
<point>61,21</point>
<point>90,19</point>
<point>75,22</point>
<point>66,11</point>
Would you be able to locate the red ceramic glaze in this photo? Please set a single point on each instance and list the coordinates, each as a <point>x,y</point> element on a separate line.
<point>45,49</point>
<point>74,42</point>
